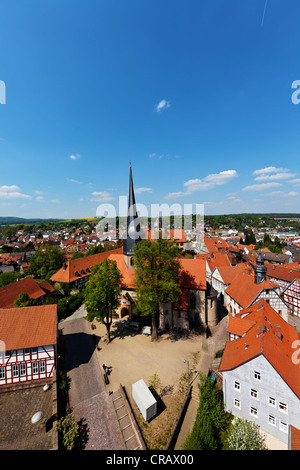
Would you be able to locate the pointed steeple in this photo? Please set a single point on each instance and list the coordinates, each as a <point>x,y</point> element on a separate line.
<point>133,235</point>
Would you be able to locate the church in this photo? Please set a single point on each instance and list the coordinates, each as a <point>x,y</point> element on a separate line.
<point>195,307</point>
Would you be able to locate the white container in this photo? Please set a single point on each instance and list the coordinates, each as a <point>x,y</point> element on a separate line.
<point>144,399</point>
<point>146,330</point>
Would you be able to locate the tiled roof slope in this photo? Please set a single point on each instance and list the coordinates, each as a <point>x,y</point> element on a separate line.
<point>10,292</point>
<point>80,267</point>
<point>244,290</point>
<point>269,336</point>
<point>28,327</point>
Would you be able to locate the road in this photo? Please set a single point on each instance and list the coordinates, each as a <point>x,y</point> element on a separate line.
<point>89,400</point>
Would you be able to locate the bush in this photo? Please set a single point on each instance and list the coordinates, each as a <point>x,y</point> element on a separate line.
<point>68,431</point>
<point>211,420</point>
<point>244,435</point>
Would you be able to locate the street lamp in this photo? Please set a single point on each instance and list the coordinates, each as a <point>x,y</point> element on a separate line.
<point>188,367</point>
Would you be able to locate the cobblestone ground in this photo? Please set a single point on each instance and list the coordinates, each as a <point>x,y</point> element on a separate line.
<point>16,410</point>
<point>90,401</point>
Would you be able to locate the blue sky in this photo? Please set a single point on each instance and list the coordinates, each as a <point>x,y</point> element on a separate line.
<point>197,95</point>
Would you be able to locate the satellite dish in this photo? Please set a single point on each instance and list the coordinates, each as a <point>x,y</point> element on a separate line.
<point>37,417</point>
<point>46,387</point>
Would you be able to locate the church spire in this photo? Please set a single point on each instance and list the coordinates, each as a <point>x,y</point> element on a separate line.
<point>133,226</point>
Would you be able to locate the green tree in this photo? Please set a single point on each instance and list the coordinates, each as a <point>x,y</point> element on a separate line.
<point>157,268</point>
<point>68,431</point>
<point>244,435</point>
<point>77,255</point>
<point>8,278</point>
<point>102,293</point>
<point>23,300</point>
<point>47,260</point>
<point>211,419</point>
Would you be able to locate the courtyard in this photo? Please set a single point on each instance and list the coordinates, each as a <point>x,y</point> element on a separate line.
<point>133,356</point>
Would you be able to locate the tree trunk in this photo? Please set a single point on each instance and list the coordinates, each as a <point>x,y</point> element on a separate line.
<point>154,329</point>
<point>154,335</point>
<point>108,325</point>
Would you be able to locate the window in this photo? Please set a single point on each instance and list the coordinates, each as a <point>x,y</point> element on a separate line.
<point>34,350</point>
<point>253,412</point>
<point>35,367</point>
<point>8,353</point>
<point>15,370</point>
<point>26,351</point>
<point>272,420</point>
<point>42,367</point>
<point>237,386</point>
<point>237,403</point>
<point>283,426</point>
<point>253,393</point>
<point>282,407</point>
<point>22,369</point>
<point>256,375</point>
<point>272,401</point>
<point>2,372</point>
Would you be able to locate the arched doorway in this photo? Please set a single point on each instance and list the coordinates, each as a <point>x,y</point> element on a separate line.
<point>124,312</point>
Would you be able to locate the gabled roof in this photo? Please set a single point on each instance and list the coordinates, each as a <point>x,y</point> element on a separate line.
<point>282,272</point>
<point>269,336</point>
<point>10,292</point>
<point>215,243</point>
<point>228,273</point>
<point>244,290</point>
<point>215,260</point>
<point>80,267</point>
<point>28,327</point>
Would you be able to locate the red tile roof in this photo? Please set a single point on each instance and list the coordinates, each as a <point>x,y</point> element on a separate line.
<point>193,274</point>
<point>10,292</point>
<point>269,336</point>
<point>215,260</point>
<point>80,267</point>
<point>215,243</point>
<point>229,273</point>
<point>28,327</point>
<point>295,438</point>
<point>244,290</point>
<point>282,272</point>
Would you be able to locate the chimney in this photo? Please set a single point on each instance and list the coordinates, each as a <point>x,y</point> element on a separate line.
<point>64,266</point>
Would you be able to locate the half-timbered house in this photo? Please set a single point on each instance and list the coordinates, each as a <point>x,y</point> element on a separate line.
<point>28,344</point>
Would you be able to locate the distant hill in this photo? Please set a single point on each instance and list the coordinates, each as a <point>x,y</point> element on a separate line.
<point>19,220</point>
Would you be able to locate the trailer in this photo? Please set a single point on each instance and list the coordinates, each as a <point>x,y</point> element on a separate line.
<point>144,399</point>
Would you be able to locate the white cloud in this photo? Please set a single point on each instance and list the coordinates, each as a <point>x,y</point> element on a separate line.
<point>175,195</point>
<point>40,198</point>
<point>270,169</point>
<point>261,186</point>
<point>102,196</point>
<point>12,192</point>
<point>209,182</point>
<point>275,176</point>
<point>75,157</point>
<point>163,104</point>
<point>143,190</point>
<point>283,194</point>
<point>71,180</point>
